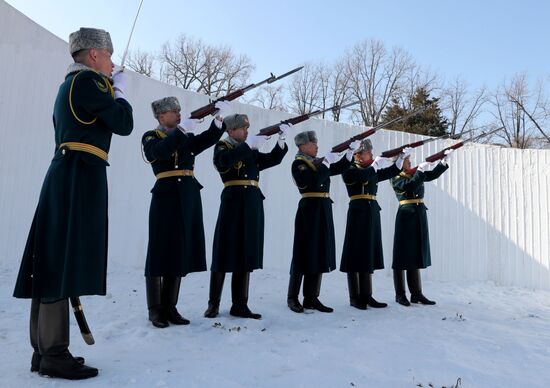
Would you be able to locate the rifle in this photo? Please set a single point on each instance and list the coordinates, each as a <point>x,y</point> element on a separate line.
<point>441,154</point>
<point>396,151</point>
<point>130,37</point>
<point>273,129</point>
<point>210,108</point>
<point>345,145</point>
<point>81,320</point>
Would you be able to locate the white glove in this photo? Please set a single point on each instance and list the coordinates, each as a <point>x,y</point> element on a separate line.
<point>446,158</point>
<point>255,142</point>
<point>283,130</point>
<point>381,162</point>
<point>224,109</point>
<point>406,152</point>
<point>354,145</point>
<point>426,166</point>
<point>119,84</point>
<point>401,158</point>
<point>331,157</point>
<point>189,125</point>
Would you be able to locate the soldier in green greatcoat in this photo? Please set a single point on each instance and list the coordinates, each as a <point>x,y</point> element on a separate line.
<point>176,232</point>
<point>239,235</point>
<point>66,251</point>
<point>411,244</point>
<point>362,253</point>
<point>313,251</point>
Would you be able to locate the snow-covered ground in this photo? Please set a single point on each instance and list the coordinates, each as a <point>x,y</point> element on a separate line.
<point>479,335</point>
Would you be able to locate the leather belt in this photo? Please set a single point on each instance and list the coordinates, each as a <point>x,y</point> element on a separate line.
<point>83,147</point>
<point>242,182</point>
<point>168,174</point>
<point>411,201</point>
<point>315,195</point>
<point>370,197</point>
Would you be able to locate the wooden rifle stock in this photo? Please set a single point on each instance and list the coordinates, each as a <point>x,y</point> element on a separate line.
<point>273,129</point>
<point>211,108</point>
<point>345,145</point>
<point>396,151</point>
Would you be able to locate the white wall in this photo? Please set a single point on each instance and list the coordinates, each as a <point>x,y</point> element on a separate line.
<point>488,214</point>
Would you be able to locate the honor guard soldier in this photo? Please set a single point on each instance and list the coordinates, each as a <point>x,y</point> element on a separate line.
<point>66,251</point>
<point>314,247</point>
<point>239,235</point>
<point>176,232</point>
<point>362,253</point>
<point>411,244</point>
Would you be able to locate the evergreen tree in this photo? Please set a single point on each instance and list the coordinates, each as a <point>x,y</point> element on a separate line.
<point>430,122</point>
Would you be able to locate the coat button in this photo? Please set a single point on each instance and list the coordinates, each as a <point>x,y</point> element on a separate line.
<point>179,179</point>
<point>176,166</point>
<point>192,153</point>
<point>63,151</point>
<point>245,175</point>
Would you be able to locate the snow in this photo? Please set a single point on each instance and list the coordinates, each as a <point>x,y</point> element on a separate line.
<point>480,333</point>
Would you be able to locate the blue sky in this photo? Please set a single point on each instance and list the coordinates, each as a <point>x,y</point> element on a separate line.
<point>482,41</point>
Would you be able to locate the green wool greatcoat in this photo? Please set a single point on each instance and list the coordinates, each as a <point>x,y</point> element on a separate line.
<point>239,235</point>
<point>66,250</point>
<point>176,232</point>
<point>362,250</point>
<point>411,243</point>
<point>314,247</point>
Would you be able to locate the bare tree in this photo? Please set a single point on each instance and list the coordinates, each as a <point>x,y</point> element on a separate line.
<point>194,65</point>
<point>462,108</point>
<point>325,75</point>
<point>376,76</point>
<point>141,62</point>
<point>416,77</point>
<point>305,92</point>
<point>269,97</point>
<point>521,112</point>
<point>339,88</point>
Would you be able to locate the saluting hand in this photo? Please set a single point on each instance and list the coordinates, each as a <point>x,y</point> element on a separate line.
<point>119,84</point>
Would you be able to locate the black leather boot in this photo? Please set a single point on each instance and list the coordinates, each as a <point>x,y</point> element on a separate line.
<point>415,287</point>
<point>353,288</point>
<point>53,344</point>
<point>215,295</point>
<point>239,296</point>
<point>312,290</point>
<point>293,291</point>
<point>36,357</point>
<point>399,284</point>
<point>170,293</point>
<point>365,291</point>
<point>157,315</point>
<point>33,331</point>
